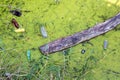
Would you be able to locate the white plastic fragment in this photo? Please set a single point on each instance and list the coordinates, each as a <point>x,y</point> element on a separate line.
<point>105,44</point>
<point>43,31</point>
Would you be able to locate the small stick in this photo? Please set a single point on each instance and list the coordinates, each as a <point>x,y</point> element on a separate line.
<point>79,37</point>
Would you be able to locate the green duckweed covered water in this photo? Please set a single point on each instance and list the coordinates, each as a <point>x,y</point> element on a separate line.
<point>60,18</point>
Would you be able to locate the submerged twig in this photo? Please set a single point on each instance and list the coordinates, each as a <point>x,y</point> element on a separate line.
<point>75,39</point>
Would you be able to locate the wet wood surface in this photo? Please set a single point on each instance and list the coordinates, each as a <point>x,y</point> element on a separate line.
<point>72,40</point>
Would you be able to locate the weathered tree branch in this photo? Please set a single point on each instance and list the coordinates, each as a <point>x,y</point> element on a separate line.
<point>74,39</point>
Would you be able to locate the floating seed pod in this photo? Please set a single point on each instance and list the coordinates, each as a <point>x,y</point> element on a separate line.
<point>43,31</point>
<point>15,23</point>
<point>16,12</point>
<point>29,55</point>
<point>105,44</point>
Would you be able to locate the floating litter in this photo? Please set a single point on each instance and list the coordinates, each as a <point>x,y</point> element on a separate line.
<point>20,30</point>
<point>29,55</point>
<point>16,12</point>
<point>105,44</point>
<point>83,51</point>
<point>15,23</point>
<point>43,31</point>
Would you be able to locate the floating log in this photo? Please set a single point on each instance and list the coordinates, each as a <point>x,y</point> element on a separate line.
<point>79,37</point>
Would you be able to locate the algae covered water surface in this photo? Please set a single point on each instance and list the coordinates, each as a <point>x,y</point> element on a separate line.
<point>20,58</point>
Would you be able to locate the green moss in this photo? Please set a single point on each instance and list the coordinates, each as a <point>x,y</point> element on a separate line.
<point>60,19</point>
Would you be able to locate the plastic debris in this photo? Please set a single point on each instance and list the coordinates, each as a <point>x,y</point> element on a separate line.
<point>20,30</point>
<point>105,44</point>
<point>29,55</point>
<point>83,51</point>
<point>43,31</point>
<point>16,12</point>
